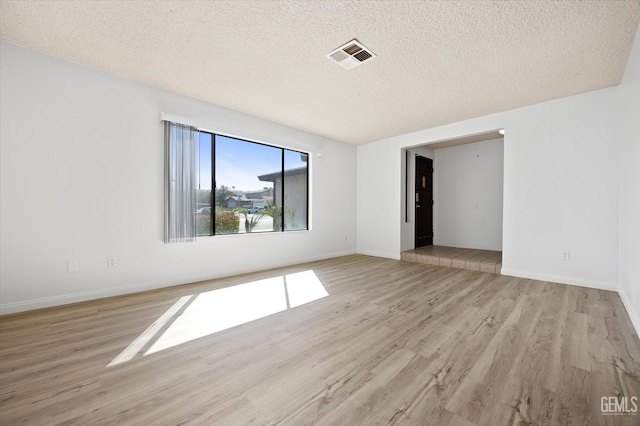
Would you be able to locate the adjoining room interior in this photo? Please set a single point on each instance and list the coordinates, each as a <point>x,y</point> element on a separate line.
<point>208,212</point>
<point>466,206</point>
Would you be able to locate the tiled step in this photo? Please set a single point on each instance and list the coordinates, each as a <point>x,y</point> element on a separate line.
<point>461,258</point>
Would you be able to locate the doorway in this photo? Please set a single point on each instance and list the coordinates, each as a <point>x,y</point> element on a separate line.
<point>424,202</point>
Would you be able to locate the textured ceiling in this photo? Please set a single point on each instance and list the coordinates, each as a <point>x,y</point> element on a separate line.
<point>438,62</point>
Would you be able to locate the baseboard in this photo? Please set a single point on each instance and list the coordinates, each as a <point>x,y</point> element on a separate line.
<point>395,256</point>
<point>580,282</point>
<point>66,299</point>
<point>633,315</point>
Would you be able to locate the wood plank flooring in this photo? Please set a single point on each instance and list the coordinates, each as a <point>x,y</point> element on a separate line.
<point>393,342</point>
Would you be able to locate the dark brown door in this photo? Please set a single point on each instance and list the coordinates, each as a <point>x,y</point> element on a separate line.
<point>424,201</point>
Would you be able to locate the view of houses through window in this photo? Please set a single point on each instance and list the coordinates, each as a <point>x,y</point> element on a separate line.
<point>256,187</point>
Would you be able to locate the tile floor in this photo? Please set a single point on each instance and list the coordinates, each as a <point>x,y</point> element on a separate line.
<point>461,258</point>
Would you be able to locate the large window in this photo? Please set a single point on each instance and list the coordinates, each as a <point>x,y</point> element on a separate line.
<point>248,187</point>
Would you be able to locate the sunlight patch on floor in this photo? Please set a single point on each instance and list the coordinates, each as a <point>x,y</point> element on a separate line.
<point>203,314</point>
<point>303,287</point>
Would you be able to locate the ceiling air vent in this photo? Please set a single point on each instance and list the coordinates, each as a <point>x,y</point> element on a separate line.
<point>351,54</point>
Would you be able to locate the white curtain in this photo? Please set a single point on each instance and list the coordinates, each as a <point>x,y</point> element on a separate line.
<point>181,161</point>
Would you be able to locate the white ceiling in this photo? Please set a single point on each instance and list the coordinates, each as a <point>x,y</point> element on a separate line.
<point>438,62</point>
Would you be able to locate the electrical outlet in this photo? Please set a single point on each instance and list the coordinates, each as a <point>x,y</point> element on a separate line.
<point>565,255</point>
<point>112,262</point>
<point>72,266</point>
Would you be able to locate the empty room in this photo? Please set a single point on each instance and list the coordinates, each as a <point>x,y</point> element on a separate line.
<point>347,212</point>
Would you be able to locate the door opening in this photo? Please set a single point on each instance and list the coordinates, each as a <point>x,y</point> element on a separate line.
<point>424,202</point>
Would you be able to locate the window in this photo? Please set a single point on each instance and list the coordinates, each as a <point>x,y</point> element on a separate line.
<point>295,190</point>
<point>241,188</point>
<point>204,225</point>
<point>247,187</point>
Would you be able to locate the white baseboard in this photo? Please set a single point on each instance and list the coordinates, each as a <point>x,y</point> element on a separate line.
<point>599,285</point>
<point>395,256</point>
<point>633,315</point>
<point>65,299</point>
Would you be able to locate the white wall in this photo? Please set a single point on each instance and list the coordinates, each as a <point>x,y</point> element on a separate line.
<point>629,287</point>
<point>468,195</point>
<point>561,163</point>
<point>82,179</point>
<point>379,200</point>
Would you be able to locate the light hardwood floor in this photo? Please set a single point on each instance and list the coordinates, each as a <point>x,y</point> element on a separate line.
<point>393,342</point>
